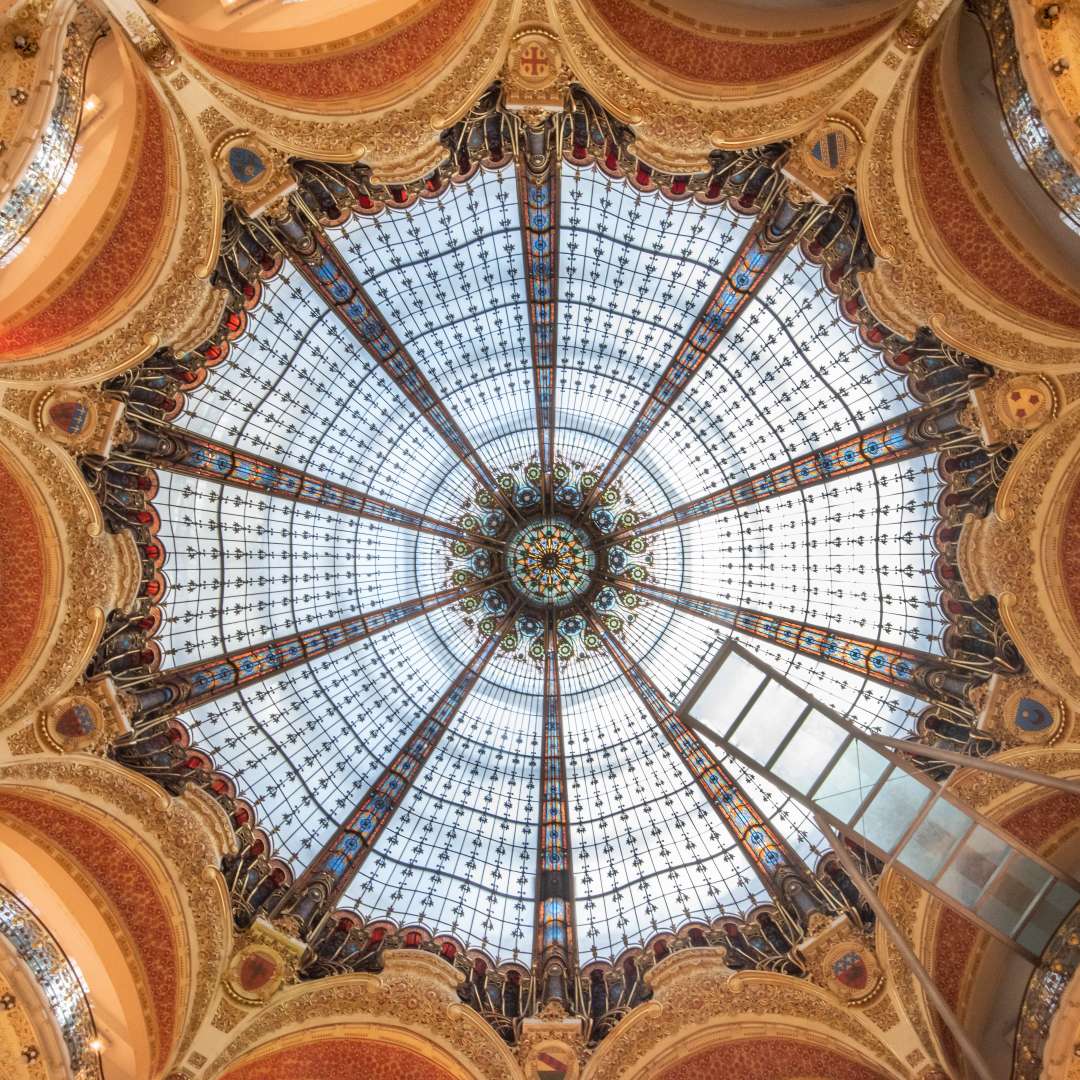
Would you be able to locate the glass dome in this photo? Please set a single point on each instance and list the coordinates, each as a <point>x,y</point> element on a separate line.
<point>450,276</point>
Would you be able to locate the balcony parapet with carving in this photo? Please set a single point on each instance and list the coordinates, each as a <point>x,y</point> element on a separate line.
<point>1036,114</point>
<point>33,165</point>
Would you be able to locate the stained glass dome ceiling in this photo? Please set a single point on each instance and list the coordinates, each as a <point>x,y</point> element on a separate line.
<point>451,278</point>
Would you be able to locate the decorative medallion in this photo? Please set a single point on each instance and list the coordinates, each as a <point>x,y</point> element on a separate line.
<point>1011,407</point>
<point>535,76</point>
<point>85,719</point>
<point>851,971</point>
<point>74,723</point>
<point>550,562</point>
<point>824,160</point>
<point>78,418</point>
<point>566,554</point>
<point>1024,402</point>
<point>1033,715</point>
<point>255,973</point>
<point>254,175</point>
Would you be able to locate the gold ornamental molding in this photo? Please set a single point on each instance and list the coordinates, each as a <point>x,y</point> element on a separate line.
<point>171,300</point>
<point>412,1002</point>
<point>1025,553</point>
<point>699,1003</point>
<point>177,843</point>
<point>915,282</point>
<point>61,567</point>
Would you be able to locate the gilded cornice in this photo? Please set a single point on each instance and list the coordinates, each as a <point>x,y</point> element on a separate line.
<point>907,904</point>
<point>93,569</point>
<point>352,75</point>
<point>1014,554</point>
<point>749,64</point>
<point>398,142</point>
<point>909,285</point>
<point>414,993</point>
<point>676,133</point>
<point>707,1002</point>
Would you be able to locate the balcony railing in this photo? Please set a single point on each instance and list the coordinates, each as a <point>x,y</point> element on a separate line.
<point>49,160</point>
<point>1029,134</point>
<point>59,982</point>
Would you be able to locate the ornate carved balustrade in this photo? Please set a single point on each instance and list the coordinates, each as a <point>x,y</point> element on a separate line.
<point>1023,116</point>
<point>60,984</point>
<point>38,165</point>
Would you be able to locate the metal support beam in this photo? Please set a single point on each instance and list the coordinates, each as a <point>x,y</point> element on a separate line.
<point>766,851</point>
<point>172,691</point>
<point>538,199</point>
<point>180,451</point>
<point>320,887</point>
<point>971,1052</point>
<point>332,278</point>
<point>748,270</point>
<point>890,665</point>
<point>555,934</point>
<point>895,440</point>
<point>967,761</point>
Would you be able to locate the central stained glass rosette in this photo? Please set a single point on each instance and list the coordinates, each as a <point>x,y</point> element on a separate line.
<point>550,562</point>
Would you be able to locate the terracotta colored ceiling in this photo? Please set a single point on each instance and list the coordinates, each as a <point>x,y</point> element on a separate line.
<point>131,891</point>
<point>726,56</point>
<point>339,1059</point>
<point>961,225</point>
<point>769,1059</point>
<point>362,66</point>
<point>105,277</point>
<point>23,569</point>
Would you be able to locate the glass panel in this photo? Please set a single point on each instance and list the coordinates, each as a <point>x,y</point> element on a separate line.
<point>979,856</point>
<point>768,722</point>
<point>727,693</point>
<point>812,746</point>
<point>932,842</point>
<point>849,781</point>
<point>893,809</point>
<point>1047,916</point>
<point>1010,893</point>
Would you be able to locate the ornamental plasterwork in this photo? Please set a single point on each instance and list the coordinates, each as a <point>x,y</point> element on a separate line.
<point>906,287</point>
<point>674,134</point>
<point>695,997</point>
<point>399,143</point>
<point>414,994</point>
<point>180,307</point>
<point>185,837</point>
<point>1014,553</point>
<point>908,905</point>
<point>107,568</point>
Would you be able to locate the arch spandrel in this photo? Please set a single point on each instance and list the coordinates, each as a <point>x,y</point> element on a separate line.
<point>1024,553</point>
<point>64,572</point>
<point>120,875</point>
<point>388,117</point>
<point>141,278</point>
<point>412,1005</point>
<point>944,261</point>
<point>679,121</point>
<point>699,1007</point>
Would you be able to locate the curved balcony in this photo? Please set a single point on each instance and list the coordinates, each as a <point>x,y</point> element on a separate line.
<point>59,983</point>
<point>34,165</point>
<point>1026,118</point>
